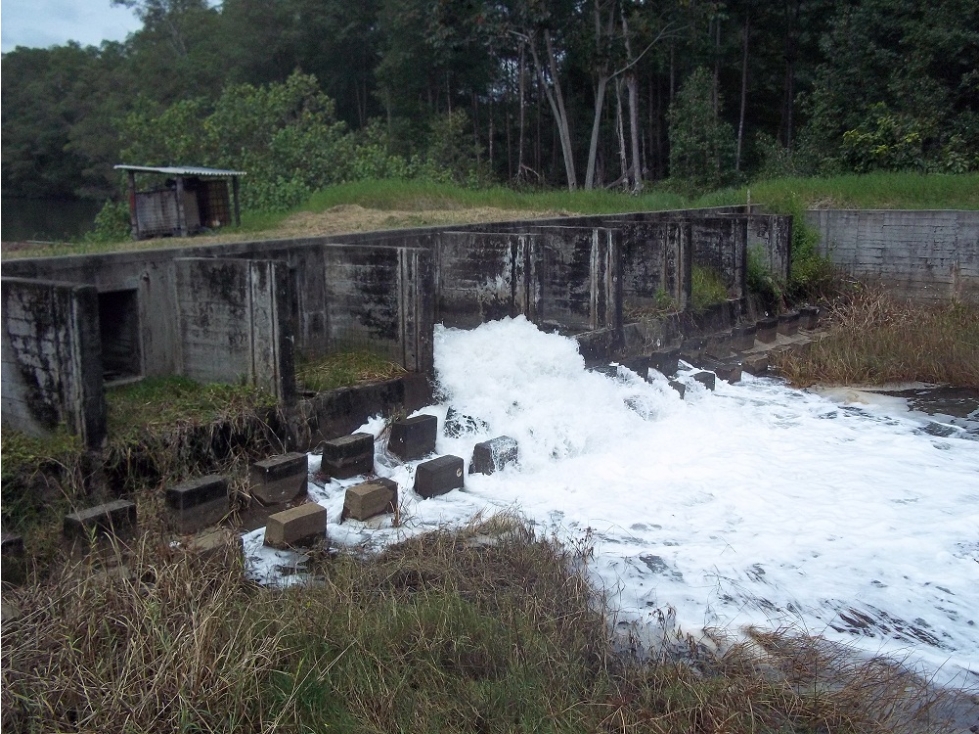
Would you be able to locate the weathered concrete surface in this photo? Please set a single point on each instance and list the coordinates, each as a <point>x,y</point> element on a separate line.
<point>52,359</point>
<point>297,526</point>
<point>493,455</point>
<point>198,503</point>
<point>922,255</point>
<point>348,456</point>
<point>381,298</point>
<point>365,500</point>
<point>413,438</point>
<point>342,411</point>
<point>279,479</point>
<point>234,323</point>
<point>439,476</point>
<point>116,519</point>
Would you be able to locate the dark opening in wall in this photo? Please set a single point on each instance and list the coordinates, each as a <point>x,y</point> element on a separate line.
<point>119,328</point>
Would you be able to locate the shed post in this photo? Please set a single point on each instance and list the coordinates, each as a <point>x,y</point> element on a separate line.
<point>133,213</point>
<point>181,214</point>
<point>234,188</point>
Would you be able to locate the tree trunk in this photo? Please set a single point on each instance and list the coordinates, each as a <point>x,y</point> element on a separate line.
<point>744,91</point>
<point>620,132</point>
<point>595,128</point>
<point>633,87</point>
<point>523,108</point>
<point>555,98</point>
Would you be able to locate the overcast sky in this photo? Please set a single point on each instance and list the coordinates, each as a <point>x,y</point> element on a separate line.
<point>43,23</point>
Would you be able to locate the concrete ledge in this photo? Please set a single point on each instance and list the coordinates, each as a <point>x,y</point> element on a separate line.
<point>371,498</point>
<point>298,526</point>
<point>348,456</point>
<point>279,479</point>
<point>439,476</point>
<point>493,455</point>
<point>413,438</point>
<point>196,504</point>
<point>113,519</point>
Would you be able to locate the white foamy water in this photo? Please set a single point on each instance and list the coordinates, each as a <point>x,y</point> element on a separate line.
<point>753,505</point>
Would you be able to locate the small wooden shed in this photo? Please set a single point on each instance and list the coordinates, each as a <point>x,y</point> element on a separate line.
<point>187,200</point>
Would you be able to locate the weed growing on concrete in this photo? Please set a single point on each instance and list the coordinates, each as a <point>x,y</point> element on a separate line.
<point>343,369</point>
<point>878,339</point>
<point>706,288</point>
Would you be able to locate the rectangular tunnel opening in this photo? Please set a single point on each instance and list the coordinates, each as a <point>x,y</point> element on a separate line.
<point>119,331</point>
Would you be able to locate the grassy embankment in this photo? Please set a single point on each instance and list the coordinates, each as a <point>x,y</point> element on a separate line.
<point>488,629</point>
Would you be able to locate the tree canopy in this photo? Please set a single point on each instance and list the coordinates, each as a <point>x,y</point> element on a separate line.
<point>592,93</point>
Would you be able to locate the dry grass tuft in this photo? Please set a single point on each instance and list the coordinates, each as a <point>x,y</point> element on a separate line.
<point>486,629</point>
<point>879,339</point>
<point>342,369</point>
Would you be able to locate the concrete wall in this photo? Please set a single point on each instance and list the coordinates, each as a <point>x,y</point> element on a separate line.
<point>52,361</point>
<point>923,255</point>
<point>234,322</point>
<point>381,298</point>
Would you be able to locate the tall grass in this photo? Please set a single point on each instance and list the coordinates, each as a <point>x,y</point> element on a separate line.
<point>878,338</point>
<point>488,629</point>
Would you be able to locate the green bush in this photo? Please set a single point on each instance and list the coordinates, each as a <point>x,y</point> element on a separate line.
<point>111,223</point>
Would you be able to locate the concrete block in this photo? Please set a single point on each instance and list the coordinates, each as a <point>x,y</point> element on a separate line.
<point>113,519</point>
<point>491,456</point>
<point>719,345</point>
<point>788,323</point>
<point>413,438</point>
<point>220,544</point>
<point>679,387</point>
<point>767,330</point>
<point>457,424</point>
<point>348,456</point>
<point>707,379</point>
<point>755,364</point>
<point>743,337</point>
<point>665,361</point>
<point>370,498</point>
<point>692,348</point>
<point>196,504</point>
<point>808,317</point>
<point>639,365</point>
<point>13,560</point>
<point>730,372</point>
<point>439,476</point>
<point>297,526</point>
<point>279,479</point>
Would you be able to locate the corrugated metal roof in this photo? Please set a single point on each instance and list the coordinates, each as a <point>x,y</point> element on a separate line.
<point>179,170</point>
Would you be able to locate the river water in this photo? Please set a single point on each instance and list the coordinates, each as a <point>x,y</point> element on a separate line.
<point>757,504</point>
<point>46,220</point>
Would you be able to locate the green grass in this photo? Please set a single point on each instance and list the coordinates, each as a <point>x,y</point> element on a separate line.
<point>343,369</point>
<point>784,196</point>
<point>706,288</point>
<point>164,403</point>
<point>486,629</point>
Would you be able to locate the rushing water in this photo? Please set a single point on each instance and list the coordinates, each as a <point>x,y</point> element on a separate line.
<point>756,504</point>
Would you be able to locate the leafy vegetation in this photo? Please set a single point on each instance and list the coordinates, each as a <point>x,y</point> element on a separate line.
<point>518,92</point>
<point>706,288</point>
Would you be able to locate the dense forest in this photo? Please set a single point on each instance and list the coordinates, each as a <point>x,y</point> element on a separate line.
<point>575,93</point>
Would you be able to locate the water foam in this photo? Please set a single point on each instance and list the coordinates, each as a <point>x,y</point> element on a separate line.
<point>753,505</point>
